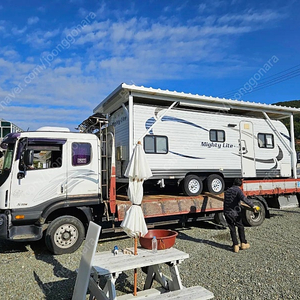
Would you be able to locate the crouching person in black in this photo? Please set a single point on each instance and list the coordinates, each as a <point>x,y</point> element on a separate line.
<point>233,215</point>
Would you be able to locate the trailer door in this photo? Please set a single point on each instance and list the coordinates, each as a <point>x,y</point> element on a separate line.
<point>247,151</point>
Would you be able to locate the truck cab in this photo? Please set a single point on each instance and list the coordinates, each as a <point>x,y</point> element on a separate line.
<point>46,174</point>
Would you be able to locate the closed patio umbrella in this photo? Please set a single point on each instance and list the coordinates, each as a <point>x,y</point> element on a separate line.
<point>137,171</point>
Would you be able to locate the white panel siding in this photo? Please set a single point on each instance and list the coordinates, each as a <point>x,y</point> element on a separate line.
<point>119,120</point>
<point>189,144</point>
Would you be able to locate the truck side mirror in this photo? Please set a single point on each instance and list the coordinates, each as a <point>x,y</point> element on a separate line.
<point>20,175</point>
<point>28,157</point>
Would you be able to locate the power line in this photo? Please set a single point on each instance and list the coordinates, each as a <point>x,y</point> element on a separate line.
<point>268,81</point>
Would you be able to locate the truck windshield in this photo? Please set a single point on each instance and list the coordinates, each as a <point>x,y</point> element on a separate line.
<point>7,163</point>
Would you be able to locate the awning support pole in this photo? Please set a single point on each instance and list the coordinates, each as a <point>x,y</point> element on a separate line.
<point>294,155</point>
<point>130,121</point>
<point>151,127</point>
<point>291,147</point>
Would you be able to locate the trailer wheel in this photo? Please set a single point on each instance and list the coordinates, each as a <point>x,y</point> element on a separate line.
<point>215,184</point>
<point>64,235</point>
<point>192,185</point>
<point>251,218</point>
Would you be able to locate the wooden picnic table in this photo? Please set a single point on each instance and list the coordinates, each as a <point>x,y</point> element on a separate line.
<point>108,267</point>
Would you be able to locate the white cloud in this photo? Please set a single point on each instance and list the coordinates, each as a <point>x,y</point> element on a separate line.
<point>251,17</point>
<point>202,8</point>
<point>9,53</point>
<point>41,9</point>
<point>107,52</point>
<point>41,39</point>
<point>16,31</point>
<point>32,20</point>
<point>28,118</point>
<point>51,34</point>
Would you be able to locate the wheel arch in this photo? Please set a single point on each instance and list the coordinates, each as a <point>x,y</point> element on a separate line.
<point>264,202</point>
<point>84,214</point>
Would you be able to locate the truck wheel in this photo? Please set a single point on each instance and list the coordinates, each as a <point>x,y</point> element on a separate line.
<point>251,218</point>
<point>220,219</point>
<point>192,185</point>
<point>64,235</point>
<point>215,184</point>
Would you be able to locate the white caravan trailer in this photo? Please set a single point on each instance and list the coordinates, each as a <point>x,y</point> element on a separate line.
<point>198,141</point>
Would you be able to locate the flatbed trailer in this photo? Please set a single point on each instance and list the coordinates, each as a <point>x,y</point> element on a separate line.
<point>271,187</point>
<point>278,193</point>
<point>170,205</point>
<point>274,193</point>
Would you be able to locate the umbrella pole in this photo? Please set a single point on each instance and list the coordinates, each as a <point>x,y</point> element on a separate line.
<point>135,270</point>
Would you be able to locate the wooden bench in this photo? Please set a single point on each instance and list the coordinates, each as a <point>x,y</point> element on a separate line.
<point>191,293</point>
<point>108,267</point>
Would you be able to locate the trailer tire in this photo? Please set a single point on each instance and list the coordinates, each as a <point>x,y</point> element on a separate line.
<point>64,235</point>
<point>251,218</point>
<point>215,184</point>
<point>192,185</point>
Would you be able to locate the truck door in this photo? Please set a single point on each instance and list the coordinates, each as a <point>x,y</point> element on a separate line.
<point>247,151</point>
<point>83,170</point>
<point>43,182</point>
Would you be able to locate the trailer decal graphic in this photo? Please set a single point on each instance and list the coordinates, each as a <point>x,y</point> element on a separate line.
<point>278,158</point>
<point>149,123</point>
<point>186,156</point>
<point>174,119</point>
<point>152,120</point>
<point>286,136</point>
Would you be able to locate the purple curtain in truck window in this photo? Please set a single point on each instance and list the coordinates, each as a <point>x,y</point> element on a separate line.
<point>81,154</point>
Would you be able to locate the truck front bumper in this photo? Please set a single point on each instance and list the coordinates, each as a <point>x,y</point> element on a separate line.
<point>19,233</point>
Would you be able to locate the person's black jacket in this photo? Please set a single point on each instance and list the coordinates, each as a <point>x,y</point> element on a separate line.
<point>232,201</point>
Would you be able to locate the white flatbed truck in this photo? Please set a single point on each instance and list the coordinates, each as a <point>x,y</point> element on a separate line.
<point>54,182</point>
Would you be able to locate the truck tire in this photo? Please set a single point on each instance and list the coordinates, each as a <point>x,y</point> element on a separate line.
<point>215,184</point>
<point>254,219</point>
<point>192,185</point>
<point>220,219</point>
<point>64,235</point>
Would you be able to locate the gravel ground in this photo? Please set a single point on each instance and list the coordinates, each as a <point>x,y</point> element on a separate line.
<point>270,269</point>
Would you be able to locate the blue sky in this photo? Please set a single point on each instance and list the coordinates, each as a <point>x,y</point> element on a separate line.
<point>60,59</point>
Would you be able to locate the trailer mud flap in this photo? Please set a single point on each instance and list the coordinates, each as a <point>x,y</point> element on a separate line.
<point>288,201</point>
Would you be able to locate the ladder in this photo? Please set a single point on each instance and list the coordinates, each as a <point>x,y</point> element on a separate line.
<point>104,163</point>
<point>98,124</point>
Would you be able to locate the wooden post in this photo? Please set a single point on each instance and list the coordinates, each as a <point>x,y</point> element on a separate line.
<point>135,270</point>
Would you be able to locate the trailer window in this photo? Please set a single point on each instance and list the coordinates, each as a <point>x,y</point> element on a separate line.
<point>265,140</point>
<point>156,144</point>
<point>81,154</point>
<point>217,135</point>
